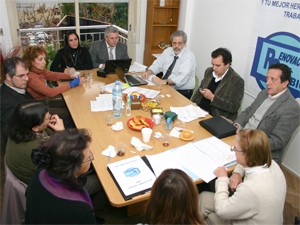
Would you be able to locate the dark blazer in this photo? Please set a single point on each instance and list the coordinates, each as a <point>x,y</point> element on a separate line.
<point>99,52</point>
<point>279,122</point>
<point>9,100</point>
<point>228,95</point>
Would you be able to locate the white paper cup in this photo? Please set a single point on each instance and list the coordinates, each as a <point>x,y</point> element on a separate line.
<point>146,132</point>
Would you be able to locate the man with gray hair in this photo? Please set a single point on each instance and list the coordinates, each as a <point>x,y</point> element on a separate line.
<point>108,48</point>
<point>178,65</point>
<point>13,90</point>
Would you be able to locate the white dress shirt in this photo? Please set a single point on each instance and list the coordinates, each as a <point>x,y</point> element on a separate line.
<point>183,73</point>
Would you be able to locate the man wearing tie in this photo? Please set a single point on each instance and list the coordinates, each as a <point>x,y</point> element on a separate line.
<point>178,65</point>
<point>108,48</point>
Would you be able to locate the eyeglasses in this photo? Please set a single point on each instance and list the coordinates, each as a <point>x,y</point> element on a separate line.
<point>234,149</point>
<point>90,158</point>
<point>21,76</point>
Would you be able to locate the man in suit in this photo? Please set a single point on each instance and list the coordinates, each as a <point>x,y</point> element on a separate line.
<point>108,48</point>
<point>274,111</point>
<point>13,90</point>
<point>222,89</point>
<point>178,65</point>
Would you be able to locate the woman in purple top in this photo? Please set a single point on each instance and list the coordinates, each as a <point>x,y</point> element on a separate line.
<point>54,194</point>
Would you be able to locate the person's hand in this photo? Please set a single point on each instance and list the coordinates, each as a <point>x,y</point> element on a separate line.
<point>237,128</point>
<point>82,80</point>
<point>74,82</point>
<point>220,172</point>
<point>72,76</point>
<point>146,75</point>
<point>157,80</point>
<point>56,123</point>
<point>207,94</point>
<point>235,180</point>
<point>70,70</point>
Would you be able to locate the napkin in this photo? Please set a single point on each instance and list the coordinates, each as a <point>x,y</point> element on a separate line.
<point>139,145</point>
<point>118,126</point>
<point>110,151</point>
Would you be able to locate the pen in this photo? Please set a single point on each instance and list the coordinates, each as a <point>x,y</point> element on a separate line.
<point>109,156</point>
<point>107,119</point>
<point>176,129</point>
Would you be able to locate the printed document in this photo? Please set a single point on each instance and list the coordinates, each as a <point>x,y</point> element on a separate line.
<point>137,67</point>
<point>132,175</point>
<point>162,161</point>
<point>147,92</point>
<point>189,111</point>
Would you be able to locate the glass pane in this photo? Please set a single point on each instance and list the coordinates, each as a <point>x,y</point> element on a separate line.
<point>49,14</point>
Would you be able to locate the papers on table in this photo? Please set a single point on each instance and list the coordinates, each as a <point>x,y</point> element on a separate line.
<point>188,113</point>
<point>156,55</point>
<point>132,175</point>
<point>162,161</point>
<point>137,67</point>
<point>198,159</point>
<point>109,87</point>
<point>103,103</point>
<point>147,92</point>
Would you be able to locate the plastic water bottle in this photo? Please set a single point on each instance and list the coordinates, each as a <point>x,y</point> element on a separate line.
<point>117,99</point>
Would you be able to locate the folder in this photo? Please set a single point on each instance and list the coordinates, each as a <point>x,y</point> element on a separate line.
<point>121,183</point>
<point>218,126</point>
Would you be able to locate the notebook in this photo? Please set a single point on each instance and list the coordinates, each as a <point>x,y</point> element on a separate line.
<point>218,127</point>
<point>133,80</point>
<point>110,65</point>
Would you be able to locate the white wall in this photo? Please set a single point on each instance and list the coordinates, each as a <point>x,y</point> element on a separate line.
<point>211,24</point>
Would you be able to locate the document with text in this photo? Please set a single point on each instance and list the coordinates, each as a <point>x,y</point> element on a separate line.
<point>132,175</point>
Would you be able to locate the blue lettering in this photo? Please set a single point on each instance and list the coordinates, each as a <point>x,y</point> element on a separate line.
<point>270,57</point>
<point>295,6</point>
<point>295,83</point>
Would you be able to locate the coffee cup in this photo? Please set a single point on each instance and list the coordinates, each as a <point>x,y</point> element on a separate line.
<point>187,134</point>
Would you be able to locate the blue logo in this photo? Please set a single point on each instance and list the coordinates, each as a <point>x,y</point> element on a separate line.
<point>132,172</point>
<point>280,47</point>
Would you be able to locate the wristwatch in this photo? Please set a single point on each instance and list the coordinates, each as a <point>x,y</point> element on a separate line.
<point>167,82</point>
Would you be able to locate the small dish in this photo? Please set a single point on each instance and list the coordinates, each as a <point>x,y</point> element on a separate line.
<point>186,139</point>
<point>147,119</point>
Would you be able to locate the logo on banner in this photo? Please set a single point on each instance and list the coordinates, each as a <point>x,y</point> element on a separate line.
<point>280,47</point>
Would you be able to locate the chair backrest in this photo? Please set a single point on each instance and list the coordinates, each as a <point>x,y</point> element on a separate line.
<point>14,200</point>
<point>196,86</point>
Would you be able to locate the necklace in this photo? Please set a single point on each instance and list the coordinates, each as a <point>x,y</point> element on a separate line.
<point>74,56</point>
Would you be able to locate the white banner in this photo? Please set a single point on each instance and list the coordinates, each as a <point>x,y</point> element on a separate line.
<point>275,38</point>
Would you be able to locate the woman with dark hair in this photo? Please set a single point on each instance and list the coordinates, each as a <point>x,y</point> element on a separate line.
<point>260,198</point>
<point>26,129</point>
<point>54,195</point>
<point>72,56</point>
<point>173,200</point>
<point>35,56</point>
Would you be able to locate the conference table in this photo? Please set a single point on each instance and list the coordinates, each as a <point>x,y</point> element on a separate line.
<point>78,102</point>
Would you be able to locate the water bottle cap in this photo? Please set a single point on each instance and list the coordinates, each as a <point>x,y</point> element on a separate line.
<point>117,82</point>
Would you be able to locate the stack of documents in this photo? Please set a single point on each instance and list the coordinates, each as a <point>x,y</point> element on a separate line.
<point>198,159</point>
<point>188,113</point>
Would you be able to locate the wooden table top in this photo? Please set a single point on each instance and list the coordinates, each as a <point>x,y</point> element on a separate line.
<point>78,102</point>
